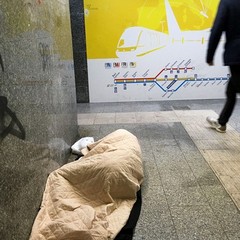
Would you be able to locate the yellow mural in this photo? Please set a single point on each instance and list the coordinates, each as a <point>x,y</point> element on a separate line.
<point>106,20</point>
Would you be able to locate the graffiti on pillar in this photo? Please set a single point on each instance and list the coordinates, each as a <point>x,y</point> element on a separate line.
<point>39,1</point>
<point>1,62</point>
<point>45,53</point>
<point>6,129</point>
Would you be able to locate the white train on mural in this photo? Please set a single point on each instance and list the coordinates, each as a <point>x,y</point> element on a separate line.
<point>139,41</point>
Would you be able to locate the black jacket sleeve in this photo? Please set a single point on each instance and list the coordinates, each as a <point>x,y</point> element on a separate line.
<point>217,30</point>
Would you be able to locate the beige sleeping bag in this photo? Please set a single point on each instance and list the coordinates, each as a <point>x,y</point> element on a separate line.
<point>92,198</point>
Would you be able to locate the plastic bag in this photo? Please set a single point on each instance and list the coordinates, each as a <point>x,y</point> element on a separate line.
<point>80,144</point>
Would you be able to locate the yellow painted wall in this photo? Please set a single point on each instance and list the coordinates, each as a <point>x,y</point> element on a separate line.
<point>106,20</point>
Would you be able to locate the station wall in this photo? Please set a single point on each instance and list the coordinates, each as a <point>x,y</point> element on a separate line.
<point>152,50</point>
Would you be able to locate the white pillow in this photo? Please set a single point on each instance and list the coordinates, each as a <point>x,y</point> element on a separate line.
<point>80,144</point>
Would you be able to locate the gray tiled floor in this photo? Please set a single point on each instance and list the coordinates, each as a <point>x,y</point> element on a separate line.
<point>182,197</point>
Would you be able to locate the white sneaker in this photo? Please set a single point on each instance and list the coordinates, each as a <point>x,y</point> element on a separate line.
<point>215,124</point>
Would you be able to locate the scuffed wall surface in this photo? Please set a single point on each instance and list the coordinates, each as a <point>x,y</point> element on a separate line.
<point>38,123</point>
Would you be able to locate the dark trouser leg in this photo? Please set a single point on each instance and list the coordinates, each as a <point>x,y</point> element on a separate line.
<point>229,105</point>
<point>231,93</point>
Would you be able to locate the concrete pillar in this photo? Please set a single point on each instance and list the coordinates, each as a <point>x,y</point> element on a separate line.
<point>38,119</point>
<point>79,49</point>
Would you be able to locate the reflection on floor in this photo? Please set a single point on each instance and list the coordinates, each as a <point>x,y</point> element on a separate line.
<point>192,173</point>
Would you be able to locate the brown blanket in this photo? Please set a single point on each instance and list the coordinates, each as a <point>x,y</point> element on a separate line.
<point>91,199</point>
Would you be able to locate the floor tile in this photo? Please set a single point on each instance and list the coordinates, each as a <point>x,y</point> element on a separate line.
<point>186,166</point>
<point>197,222</point>
<point>221,151</point>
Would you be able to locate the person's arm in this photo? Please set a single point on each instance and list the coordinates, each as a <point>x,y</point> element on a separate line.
<point>216,31</point>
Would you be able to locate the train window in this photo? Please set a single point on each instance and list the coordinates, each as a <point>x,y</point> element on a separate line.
<point>121,42</point>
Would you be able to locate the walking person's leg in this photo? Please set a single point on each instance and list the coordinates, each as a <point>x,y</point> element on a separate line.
<point>231,92</point>
<point>229,105</point>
